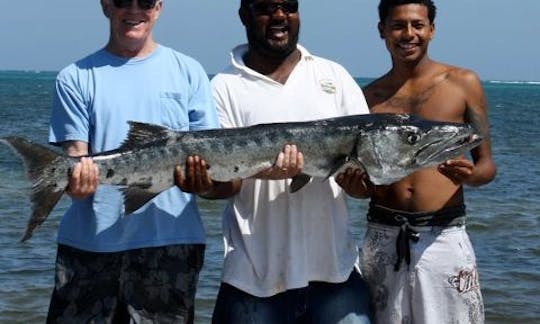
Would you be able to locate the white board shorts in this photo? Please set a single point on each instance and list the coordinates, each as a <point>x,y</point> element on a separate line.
<point>439,286</point>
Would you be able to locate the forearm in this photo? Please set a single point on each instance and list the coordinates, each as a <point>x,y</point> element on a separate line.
<point>75,148</point>
<point>484,173</point>
<point>222,190</point>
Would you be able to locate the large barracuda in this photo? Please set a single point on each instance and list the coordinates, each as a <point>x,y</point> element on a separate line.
<point>387,146</point>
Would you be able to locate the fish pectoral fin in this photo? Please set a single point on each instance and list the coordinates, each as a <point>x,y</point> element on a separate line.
<point>343,164</point>
<point>299,181</point>
<point>135,197</point>
<point>338,165</point>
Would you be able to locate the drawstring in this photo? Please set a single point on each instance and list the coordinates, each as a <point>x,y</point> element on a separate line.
<point>403,245</point>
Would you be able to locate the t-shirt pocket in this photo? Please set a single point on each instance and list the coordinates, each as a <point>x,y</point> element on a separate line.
<point>174,110</point>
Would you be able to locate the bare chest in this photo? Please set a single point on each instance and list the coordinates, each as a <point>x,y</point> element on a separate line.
<point>436,102</point>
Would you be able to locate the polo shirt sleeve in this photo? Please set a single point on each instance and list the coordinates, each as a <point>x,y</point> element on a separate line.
<point>353,100</point>
<point>223,102</point>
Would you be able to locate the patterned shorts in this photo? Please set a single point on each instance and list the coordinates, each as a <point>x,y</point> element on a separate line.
<point>440,285</point>
<point>150,285</point>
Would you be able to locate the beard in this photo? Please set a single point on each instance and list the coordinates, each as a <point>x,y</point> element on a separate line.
<point>272,48</point>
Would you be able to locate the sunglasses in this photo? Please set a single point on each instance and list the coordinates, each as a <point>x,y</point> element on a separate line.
<point>268,8</point>
<point>143,4</point>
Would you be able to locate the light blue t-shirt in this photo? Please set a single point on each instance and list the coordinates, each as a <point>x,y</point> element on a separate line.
<point>94,99</point>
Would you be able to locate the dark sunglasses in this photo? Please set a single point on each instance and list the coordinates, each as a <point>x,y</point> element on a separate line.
<point>269,8</point>
<point>143,4</point>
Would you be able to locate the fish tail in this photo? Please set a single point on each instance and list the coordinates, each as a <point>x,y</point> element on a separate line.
<point>45,192</point>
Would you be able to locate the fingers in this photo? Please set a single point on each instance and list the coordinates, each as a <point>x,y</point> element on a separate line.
<point>288,164</point>
<point>355,182</point>
<point>348,178</point>
<point>178,177</point>
<point>84,179</point>
<point>196,179</point>
<point>457,170</point>
<point>290,159</point>
<point>202,182</point>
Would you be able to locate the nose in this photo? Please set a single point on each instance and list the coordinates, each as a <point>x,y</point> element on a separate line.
<point>135,5</point>
<point>408,31</point>
<point>280,11</point>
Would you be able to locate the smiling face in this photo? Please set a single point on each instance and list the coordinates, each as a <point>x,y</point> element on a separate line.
<point>407,32</point>
<point>131,28</point>
<point>272,26</point>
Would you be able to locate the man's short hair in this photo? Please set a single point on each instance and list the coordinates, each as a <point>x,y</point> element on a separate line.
<point>386,5</point>
<point>245,3</point>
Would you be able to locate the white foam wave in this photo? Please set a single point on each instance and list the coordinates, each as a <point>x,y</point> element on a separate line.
<point>514,82</point>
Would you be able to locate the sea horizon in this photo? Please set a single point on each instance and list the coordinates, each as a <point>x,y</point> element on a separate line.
<point>210,75</point>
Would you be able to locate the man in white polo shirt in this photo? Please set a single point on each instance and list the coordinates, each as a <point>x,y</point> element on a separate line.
<point>289,258</point>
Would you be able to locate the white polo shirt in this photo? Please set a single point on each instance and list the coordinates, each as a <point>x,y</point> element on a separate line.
<point>275,240</point>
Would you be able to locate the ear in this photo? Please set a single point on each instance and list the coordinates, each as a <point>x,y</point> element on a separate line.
<point>244,15</point>
<point>158,8</point>
<point>380,28</point>
<point>432,31</point>
<point>106,8</point>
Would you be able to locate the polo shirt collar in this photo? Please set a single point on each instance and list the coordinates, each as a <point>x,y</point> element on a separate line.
<point>237,58</point>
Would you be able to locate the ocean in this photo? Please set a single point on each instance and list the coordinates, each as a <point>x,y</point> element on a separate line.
<point>503,216</point>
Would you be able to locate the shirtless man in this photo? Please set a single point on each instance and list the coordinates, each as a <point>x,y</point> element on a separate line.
<point>418,259</point>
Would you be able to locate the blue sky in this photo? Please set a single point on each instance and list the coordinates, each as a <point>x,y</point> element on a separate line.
<point>496,38</point>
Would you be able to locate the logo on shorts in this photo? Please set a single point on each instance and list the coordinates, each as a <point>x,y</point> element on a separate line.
<point>465,281</point>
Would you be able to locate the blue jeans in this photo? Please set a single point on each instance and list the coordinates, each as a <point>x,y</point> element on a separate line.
<point>318,303</point>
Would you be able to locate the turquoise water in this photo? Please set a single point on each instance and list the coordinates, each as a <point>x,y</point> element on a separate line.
<point>503,224</point>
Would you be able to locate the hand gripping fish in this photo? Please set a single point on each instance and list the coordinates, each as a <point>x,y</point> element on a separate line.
<point>386,146</point>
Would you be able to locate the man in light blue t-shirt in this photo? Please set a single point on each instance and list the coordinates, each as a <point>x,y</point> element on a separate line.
<point>143,267</point>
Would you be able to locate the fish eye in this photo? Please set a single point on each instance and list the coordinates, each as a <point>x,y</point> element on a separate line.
<point>412,138</point>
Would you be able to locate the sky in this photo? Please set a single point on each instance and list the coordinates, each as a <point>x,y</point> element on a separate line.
<point>495,38</point>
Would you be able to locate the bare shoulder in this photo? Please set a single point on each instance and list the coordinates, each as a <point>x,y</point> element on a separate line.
<point>378,90</point>
<point>463,77</point>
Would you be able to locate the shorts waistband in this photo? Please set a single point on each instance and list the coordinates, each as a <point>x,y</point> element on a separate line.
<point>450,216</point>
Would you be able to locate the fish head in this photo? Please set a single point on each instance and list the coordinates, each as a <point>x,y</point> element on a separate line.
<point>401,145</point>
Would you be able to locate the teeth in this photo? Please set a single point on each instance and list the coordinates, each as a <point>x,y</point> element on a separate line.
<point>278,31</point>
<point>407,46</point>
<point>133,22</point>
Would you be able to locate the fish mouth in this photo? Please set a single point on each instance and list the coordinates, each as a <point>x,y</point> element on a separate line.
<point>453,146</point>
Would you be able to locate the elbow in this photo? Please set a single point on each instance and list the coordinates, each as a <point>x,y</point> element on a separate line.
<point>489,172</point>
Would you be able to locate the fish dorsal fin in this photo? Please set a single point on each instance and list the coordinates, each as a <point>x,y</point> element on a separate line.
<point>299,181</point>
<point>135,197</point>
<point>141,134</point>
